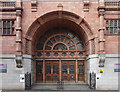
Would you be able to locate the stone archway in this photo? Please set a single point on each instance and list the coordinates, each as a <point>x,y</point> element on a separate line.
<point>59,19</point>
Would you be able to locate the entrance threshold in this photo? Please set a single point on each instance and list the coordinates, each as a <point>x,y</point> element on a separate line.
<point>65,86</point>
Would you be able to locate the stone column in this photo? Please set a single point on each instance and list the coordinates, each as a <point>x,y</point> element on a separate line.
<point>60,71</point>
<point>76,66</point>
<point>18,34</point>
<point>101,11</point>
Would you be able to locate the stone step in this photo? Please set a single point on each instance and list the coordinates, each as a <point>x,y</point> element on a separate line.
<point>67,91</point>
<point>66,86</point>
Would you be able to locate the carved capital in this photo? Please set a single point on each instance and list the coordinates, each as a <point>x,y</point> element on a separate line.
<point>18,13</point>
<point>101,11</point>
<point>101,59</point>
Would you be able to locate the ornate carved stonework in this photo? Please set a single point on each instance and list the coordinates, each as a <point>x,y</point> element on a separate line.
<point>101,10</point>
<point>19,61</point>
<point>33,5</point>
<point>86,5</point>
<point>101,59</point>
<point>60,7</point>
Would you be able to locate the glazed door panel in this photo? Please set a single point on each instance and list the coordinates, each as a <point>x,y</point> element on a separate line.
<point>52,71</point>
<point>39,71</point>
<point>80,71</point>
<point>68,71</point>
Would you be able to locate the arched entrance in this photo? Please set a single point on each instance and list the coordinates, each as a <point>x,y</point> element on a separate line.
<point>63,54</point>
<point>60,41</point>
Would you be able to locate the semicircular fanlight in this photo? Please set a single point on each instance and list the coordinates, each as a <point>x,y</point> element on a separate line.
<point>60,46</point>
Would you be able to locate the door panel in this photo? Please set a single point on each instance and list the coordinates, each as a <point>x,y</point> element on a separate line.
<point>68,71</point>
<point>39,71</point>
<point>80,71</point>
<point>52,71</point>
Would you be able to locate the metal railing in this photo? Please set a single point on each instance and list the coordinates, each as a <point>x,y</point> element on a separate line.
<point>27,81</point>
<point>92,80</point>
<point>60,85</point>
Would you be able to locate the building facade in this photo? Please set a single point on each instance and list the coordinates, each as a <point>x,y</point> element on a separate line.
<point>59,41</point>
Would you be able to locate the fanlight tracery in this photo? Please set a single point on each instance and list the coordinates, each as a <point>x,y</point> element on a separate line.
<point>59,40</point>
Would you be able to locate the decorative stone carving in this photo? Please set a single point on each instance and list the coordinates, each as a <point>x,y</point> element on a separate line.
<point>60,7</point>
<point>101,11</point>
<point>101,59</point>
<point>86,5</point>
<point>19,61</point>
<point>33,5</point>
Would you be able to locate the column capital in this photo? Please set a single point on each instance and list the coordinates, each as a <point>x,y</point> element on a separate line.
<point>101,11</point>
<point>18,12</point>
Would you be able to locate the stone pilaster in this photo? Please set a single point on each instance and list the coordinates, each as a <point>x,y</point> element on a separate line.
<point>18,34</point>
<point>101,11</point>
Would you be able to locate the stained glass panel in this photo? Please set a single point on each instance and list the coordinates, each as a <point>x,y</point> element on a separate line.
<point>39,54</point>
<point>49,43</point>
<point>80,54</point>
<point>62,38</point>
<point>60,46</point>
<point>64,68</point>
<point>47,48</point>
<point>70,43</point>
<point>66,39</point>
<point>57,37</point>
<point>64,54</point>
<point>55,68</point>
<point>71,35</point>
<point>72,48</point>
<point>80,46</point>
<point>71,68</point>
<point>39,68</point>
<point>77,39</point>
<point>71,78</point>
<point>48,68</point>
<point>64,78</point>
<point>53,40</point>
<point>48,78</point>
<point>80,68</point>
<point>55,78</point>
<point>56,54</point>
<point>72,54</point>
<point>47,54</point>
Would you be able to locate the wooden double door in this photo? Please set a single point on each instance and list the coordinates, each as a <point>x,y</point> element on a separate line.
<point>59,70</point>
